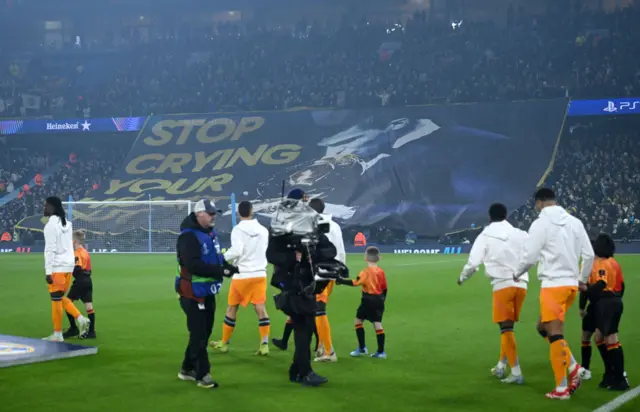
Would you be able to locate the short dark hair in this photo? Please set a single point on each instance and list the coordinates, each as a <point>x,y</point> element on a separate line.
<point>544,194</point>
<point>244,208</point>
<point>497,212</point>
<point>372,254</point>
<point>317,204</point>
<point>604,246</point>
<point>296,194</point>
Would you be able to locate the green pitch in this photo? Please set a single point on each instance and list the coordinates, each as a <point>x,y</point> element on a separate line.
<point>440,341</point>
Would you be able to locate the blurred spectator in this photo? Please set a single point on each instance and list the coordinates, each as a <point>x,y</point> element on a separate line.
<point>75,179</point>
<point>357,65</point>
<point>363,64</point>
<point>596,177</point>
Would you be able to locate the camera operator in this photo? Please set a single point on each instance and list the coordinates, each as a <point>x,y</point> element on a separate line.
<point>296,247</point>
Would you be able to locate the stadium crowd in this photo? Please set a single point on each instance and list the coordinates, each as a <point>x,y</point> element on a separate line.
<point>75,176</point>
<point>17,167</point>
<point>360,64</point>
<point>596,175</point>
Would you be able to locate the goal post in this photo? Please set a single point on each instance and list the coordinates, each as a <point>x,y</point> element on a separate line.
<point>142,226</point>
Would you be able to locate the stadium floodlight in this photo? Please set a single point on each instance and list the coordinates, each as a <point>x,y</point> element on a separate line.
<point>150,226</point>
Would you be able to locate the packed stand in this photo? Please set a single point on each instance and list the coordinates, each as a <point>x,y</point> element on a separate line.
<point>77,178</point>
<point>18,167</point>
<point>357,65</point>
<point>597,178</point>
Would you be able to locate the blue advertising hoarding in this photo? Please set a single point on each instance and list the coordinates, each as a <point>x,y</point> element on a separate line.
<point>396,249</point>
<point>604,107</point>
<point>99,125</point>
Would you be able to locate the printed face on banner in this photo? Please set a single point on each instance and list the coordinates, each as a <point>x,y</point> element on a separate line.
<point>426,169</point>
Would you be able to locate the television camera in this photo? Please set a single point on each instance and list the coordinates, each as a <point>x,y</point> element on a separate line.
<point>300,227</point>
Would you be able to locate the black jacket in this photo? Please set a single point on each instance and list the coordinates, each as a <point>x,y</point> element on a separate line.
<point>190,258</point>
<point>289,274</point>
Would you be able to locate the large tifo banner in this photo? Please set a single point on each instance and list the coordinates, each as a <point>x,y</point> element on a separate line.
<point>426,169</point>
<point>604,107</point>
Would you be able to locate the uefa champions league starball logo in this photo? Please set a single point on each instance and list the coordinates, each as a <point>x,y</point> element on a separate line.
<point>12,349</point>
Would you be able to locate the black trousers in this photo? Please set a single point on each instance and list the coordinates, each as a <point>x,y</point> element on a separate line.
<point>303,327</point>
<point>200,325</point>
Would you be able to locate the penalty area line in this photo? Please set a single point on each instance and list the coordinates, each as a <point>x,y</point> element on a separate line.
<point>619,401</point>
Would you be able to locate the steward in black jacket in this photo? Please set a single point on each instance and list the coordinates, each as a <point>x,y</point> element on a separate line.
<point>201,267</point>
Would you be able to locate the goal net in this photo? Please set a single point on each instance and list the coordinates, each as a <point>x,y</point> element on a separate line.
<point>129,227</point>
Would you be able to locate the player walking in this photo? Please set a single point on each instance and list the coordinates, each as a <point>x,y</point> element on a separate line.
<point>249,242</point>
<point>499,248</point>
<point>59,263</point>
<point>557,240</point>
<point>326,351</point>
<point>82,287</point>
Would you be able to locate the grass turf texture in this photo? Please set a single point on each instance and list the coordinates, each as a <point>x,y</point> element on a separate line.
<point>440,341</point>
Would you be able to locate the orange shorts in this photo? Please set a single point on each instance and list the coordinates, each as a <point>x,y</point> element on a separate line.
<point>61,282</point>
<point>324,296</point>
<point>245,291</point>
<point>555,302</point>
<point>507,303</point>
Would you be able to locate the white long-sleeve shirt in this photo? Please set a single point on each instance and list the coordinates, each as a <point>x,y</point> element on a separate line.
<point>558,240</point>
<point>58,247</point>
<point>499,247</point>
<point>248,251</point>
<point>335,237</point>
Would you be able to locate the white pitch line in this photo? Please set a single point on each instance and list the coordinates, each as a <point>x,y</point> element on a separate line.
<point>619,401</point>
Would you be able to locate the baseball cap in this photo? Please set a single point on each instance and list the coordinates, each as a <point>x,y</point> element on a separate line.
<point>206,205</point>
<point>296,194</point>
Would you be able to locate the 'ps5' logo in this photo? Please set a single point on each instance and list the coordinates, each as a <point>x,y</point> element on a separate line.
<point>622,106</point>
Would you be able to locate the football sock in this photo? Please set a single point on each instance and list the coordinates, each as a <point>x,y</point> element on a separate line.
<point>264,326</point>
<point>602,348</point>
<point>380,338</point>
<point>91,314</point>
<point>288,328</point>
<point>360,335</point>
<point>70,308</point>
<point>616,360</point>
<point>572,360</point>
<point>624,371</point>
<point>56,314</point>
<point>502,360</point>
<point>585,354</point>
<point>324,333</point>
<point>559,354</point>
<point>72,322</point>
<point>508,340</point>
<point>227,329</point>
